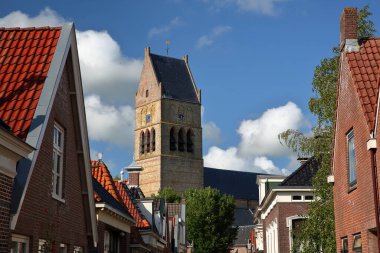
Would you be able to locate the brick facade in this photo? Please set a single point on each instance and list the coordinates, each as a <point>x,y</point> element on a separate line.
<point>6,184</point>
<point>280,212</point>
<point>41,216</point>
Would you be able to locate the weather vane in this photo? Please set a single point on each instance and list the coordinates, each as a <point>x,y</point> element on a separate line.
<point>167,46</point>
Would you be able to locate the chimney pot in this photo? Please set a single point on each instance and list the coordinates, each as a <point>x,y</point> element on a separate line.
<point>349,29</point>
<point>100,156</point>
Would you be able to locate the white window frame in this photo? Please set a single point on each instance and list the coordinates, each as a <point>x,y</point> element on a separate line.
<point>106,241</point>
<point>78,249</point>
<point>21,239</point>
<point>63,248</point>
<point>352,173</point>
<point>58,151</point>
<point>41,244</point>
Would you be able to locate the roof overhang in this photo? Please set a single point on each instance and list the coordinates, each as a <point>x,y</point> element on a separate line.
<point>113,217</point>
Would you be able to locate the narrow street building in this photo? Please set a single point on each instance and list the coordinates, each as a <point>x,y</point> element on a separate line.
<point>52,205</point>
<point>355,160</point>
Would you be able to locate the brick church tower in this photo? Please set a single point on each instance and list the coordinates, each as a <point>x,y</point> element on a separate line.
<point>168,134</point>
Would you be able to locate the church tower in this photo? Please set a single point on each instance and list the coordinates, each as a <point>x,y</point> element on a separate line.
<point>168,134</point>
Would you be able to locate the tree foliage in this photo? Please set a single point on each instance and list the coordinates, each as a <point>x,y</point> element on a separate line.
<point>210,216</point>
<point>318,231</point>
<point>169,195</point>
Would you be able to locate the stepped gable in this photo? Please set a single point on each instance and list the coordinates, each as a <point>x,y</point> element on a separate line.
<point>128,200</point>
<point>175,78</point>
<point>365,70</point>
<point>303,176</point>
<point>25,58</point>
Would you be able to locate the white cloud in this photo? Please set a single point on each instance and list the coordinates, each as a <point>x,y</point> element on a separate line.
<point>265,7</point>
<point>211,132</point>
<point>47,17</point>
<point>259,142</point>
<point>109,123</point>
<point>105,70</point>
<point>260,136</point>
<point>207,40</point>
<point>155,31</point>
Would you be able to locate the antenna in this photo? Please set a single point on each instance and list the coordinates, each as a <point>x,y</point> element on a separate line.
<point>167,46</point>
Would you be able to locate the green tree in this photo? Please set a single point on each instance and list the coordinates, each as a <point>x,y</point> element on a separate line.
<point>169,195</point>
<point>210,216</point>
<point>318,231</point>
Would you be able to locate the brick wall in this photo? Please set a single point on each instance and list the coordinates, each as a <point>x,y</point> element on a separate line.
<point>41,216</point>
<point>6,184</point>
<point>280,212</point>
<point>354,208</point>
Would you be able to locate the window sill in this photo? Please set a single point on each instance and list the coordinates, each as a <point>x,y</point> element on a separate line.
<point>58,198</point>
<point>352,188</point>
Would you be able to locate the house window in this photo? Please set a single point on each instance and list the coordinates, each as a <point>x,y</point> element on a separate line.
<point>106,242</point>
<point>111,242</point>
<point>344,245</point>
<point>20,244</point>
<point>58,149</point>
<point>297,197</point>
<point>43,246</point>
<point>309,197</point>
<point>351,158</point>
<point>357,247</point>
<point>62,248</point>
<point>78,249</point>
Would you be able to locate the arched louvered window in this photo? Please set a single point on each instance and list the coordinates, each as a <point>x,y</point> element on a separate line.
<point>181,140</point>
<point>189,141</point>
<point>147,141</point>
<point>142,142</point>
<point>153,139</point>
<point>173,141</point>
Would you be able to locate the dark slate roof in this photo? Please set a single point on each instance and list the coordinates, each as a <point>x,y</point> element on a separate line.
<point>239,184</point>
<point>243,217</point>
<point>175,78</point>
<point>107,198</point>
<point>243,235</point>
<point>303,176</point>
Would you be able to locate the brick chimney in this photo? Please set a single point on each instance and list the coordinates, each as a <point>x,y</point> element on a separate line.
<point>134,174</point>
<point>349,30</point>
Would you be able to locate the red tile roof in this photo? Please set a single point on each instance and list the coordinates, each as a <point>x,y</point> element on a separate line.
<point>365,70</point>
<point>141,222</point>
<point>25,58</point>
<point>101,173</point>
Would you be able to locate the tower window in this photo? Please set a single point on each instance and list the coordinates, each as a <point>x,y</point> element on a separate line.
<point>173,142</point>
<point>147,141</point>
<point>142,142</point>
<point>153,139</point>
<point>189,140</point>
<point>181,140</point>
<point>181,117</point>
<point>147,93</point>
<point>148,118</point>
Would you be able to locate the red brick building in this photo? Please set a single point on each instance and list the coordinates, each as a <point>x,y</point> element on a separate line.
<point>355,139</point>
<point>283,203</point>
<point>41,100</point>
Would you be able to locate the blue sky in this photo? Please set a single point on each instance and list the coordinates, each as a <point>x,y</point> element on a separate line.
<point>253,60</point>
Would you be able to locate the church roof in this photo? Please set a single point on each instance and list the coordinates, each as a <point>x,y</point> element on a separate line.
<point>239,184</point>
<point>175,77</point>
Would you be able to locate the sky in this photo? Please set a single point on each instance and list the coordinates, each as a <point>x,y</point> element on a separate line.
<point>252,59</point>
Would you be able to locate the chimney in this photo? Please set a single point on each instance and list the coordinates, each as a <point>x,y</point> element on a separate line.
<point>349,30</point>
<point>122,175</point>
<point>100,157</point>
<point>134,174</point>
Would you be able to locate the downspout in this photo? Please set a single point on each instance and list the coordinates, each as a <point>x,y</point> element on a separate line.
<point>371,146</point>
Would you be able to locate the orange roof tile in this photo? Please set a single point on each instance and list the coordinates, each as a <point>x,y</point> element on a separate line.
<point>25,58</point>
<point>365,70</point>
<point>101,173</point>
<point>141,221</point>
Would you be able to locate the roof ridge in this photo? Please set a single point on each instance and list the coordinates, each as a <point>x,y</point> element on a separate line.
<point>17,28</point>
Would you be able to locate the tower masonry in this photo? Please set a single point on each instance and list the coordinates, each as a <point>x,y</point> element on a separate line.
<point>168,134</point>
